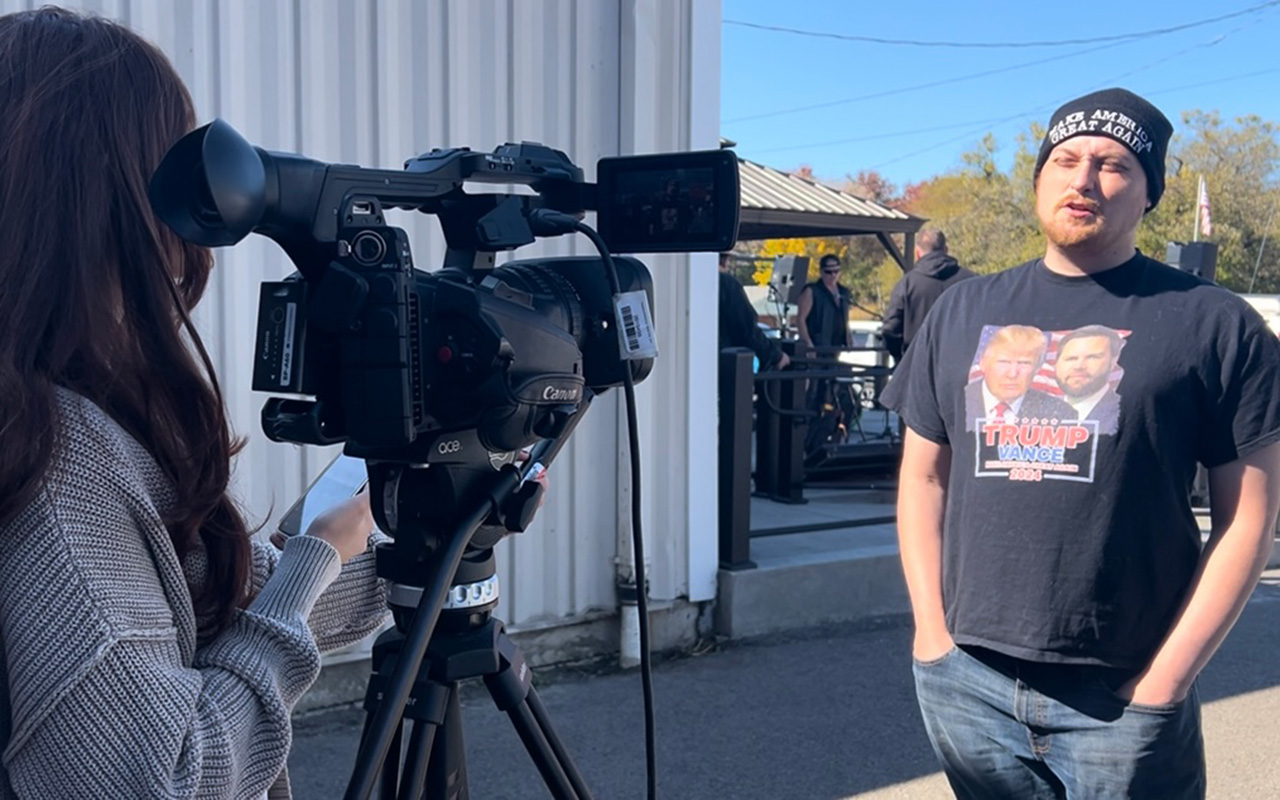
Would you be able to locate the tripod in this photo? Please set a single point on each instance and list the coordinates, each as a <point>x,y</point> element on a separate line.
<point>443,588</point>
<point>468,642</point>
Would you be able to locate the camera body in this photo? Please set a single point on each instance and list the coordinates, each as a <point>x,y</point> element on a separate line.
<point>396,357</point>
<point>394,352</point>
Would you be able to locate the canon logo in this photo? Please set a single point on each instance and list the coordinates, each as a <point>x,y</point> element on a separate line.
<point>553,393</point>
<point>451,446</point>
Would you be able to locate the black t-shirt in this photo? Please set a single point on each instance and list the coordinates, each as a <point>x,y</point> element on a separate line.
<point>1076,409</point>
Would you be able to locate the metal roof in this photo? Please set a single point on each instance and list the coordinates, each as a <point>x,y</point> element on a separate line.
<point>777,204</point>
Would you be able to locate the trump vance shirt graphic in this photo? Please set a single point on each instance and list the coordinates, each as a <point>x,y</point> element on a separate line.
<point>1037,401</point>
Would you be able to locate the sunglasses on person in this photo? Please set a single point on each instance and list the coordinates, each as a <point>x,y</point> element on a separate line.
<point>831,270</point>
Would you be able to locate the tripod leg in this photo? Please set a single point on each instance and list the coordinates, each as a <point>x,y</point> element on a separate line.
<point>428,712</point>
<point>447,773</point>
<point>391,768</point>
<point>562,755</point>
<point>416,760</point>
<point>541,752</point>
<point>511,687</point>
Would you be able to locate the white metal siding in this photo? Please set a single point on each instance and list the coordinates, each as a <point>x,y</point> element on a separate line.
<point>373,83</point>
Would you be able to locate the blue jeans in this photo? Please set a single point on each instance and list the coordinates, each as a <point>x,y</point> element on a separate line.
<point>1004,727</point>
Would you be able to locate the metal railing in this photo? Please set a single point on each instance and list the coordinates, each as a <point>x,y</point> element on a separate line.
<point>781,420</point>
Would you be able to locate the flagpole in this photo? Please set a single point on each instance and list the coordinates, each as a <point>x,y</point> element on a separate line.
<point>1265,232</point>
<point>1195,230</point>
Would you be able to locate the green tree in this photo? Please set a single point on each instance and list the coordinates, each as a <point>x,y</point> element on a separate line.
<point>1240,164</point>
<point>988,215</point>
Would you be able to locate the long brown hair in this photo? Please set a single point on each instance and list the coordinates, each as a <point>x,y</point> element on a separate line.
<point>95,292</point>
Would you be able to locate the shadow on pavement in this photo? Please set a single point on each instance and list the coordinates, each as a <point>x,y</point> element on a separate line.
<point>825,715</point>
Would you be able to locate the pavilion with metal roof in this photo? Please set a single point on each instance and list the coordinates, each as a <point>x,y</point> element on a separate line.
<point>783,205</point>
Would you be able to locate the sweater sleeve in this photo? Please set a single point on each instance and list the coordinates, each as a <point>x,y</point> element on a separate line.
<point>351,608</point>
<point>136,722</point>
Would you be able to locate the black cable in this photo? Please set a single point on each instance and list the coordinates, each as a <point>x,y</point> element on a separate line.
<point>637,539</point>
<point>1120,37</point>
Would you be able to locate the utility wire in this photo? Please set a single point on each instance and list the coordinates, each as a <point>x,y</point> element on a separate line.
<point>929,85</point>
<point>1041,109</point>
<point>1121,37</point>
<point>999,70</point>
<point>995,120</point>
<point>875,136</point>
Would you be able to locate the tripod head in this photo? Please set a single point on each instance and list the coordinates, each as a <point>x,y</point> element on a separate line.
<point>446,514</point>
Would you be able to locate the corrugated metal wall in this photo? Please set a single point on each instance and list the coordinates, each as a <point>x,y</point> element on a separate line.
<point>374,82</point>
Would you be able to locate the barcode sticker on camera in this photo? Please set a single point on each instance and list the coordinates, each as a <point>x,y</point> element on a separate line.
<point>635,326</point>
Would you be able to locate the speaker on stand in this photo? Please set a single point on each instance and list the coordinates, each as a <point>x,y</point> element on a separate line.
<point>1198,258</point>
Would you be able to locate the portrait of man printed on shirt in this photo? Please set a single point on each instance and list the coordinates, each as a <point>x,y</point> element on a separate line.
<point>1008,360</point>
<point>1086,367</point>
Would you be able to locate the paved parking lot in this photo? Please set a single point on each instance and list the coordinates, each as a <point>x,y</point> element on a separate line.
<point>825,715</point>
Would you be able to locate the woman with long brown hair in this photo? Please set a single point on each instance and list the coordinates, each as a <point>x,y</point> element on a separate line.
<point>151,648</point>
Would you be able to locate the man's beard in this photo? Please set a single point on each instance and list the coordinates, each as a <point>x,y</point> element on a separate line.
<point>1066,232</point>
<point>1087,389</point>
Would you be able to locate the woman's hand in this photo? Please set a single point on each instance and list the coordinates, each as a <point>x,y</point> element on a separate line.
<point>538,476</point>
<point>346,526</point>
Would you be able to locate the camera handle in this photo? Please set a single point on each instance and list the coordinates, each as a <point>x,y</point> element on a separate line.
<point>470,643</point>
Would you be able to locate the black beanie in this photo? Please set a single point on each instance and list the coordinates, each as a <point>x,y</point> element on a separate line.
<point>1120,115</point>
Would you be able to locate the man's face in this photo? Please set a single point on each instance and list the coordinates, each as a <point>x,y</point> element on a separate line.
<point>1091,193</point>
<point>1084,365</point>
<point>1009,368</point>
<point>831,272</point>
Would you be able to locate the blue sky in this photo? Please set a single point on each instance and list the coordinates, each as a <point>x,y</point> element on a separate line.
<point>1232,66</point>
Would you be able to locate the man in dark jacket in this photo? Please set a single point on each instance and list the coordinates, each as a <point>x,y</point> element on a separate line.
<point>738,322</point>
<point>917,291</point>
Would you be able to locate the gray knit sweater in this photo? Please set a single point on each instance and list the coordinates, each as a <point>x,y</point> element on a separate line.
<point>112,690</point>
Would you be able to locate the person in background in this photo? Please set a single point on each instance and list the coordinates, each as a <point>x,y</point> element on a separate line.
<point>822,316</point>
<point>823,321</point>
<point>739,324</point>
<point>914,294</point>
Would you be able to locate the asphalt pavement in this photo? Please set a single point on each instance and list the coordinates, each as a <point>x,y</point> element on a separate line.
<point>823,714</point>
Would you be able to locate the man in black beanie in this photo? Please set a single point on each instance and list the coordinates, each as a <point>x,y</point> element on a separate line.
<point>1063,603</point>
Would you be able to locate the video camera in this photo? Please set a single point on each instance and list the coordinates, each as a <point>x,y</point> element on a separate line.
<point>435,380</point>
<point>396,356</point>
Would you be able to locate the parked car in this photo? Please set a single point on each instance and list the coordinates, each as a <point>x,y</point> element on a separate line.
<point>1268,305</point>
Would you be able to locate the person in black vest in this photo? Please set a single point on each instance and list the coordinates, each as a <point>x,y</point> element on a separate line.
<point>823,321</point>
<point>916,291</point>
<point>1064,602</point>
<point>739,325</point>
<point>823,315</point>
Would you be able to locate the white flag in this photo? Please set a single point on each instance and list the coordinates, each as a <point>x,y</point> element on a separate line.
<point>1206,225</point>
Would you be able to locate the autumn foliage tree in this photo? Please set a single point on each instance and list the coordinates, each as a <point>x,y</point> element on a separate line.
<point>867,270</point>
<point>1240,163</point>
